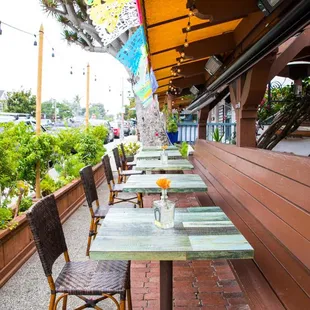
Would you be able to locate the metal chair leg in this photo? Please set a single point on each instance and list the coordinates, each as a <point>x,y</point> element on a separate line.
<point>129,303</point>
<point>52,302</point>
<point>64,303</point>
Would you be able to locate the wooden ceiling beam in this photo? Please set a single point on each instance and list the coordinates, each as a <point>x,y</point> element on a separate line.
<point>190,69</point>
<point>210,46</point>
<point>188,82</point>
<point>215,10</point>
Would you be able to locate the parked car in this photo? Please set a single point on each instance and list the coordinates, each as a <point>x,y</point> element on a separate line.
<point>117,128</point>
<point>98,122</point>
<point>15,119</point>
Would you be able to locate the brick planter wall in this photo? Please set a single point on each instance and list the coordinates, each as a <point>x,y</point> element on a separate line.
<point>16,246</point>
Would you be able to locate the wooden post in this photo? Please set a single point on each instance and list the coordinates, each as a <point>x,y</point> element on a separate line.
<point>169,103</point>
<point>38,104</point>
<point>87,96</point>
<point>202,122</point>
<point>246,94</point>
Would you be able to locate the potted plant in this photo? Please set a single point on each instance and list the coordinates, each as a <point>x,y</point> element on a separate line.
<point>172,129</point>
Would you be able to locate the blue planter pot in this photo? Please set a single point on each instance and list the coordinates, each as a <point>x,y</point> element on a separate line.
<point>173,137</point>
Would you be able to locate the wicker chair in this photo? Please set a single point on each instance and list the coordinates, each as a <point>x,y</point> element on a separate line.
<point>123,174</point>
<point>91,194</point>
<point>115,189</point>
<point>92,278</point>
<point>128,161</point>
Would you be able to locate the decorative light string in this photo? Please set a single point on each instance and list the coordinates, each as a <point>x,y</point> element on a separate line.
<point>181,59</point>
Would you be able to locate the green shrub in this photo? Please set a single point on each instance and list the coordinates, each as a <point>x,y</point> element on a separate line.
<point>69,169</point>
<point>6,215</point>
<point>216,135</point>
<point>99,132</point>
<point>130,148</point>
<point>25,204</point>
<point>48,185</point>
<point>172,125</point>
<point>184,149</point>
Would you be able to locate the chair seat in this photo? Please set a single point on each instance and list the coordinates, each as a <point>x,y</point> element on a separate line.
<point>131,172</point>
<point>93,277</point>
<point>118,187</point>
<point>101,212</point>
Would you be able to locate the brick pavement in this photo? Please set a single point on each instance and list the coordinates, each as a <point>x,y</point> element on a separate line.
<point>196,284</point>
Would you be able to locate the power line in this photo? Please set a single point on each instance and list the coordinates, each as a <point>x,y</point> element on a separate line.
<point>18,29</point>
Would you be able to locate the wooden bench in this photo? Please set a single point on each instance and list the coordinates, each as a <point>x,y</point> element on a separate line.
<point>265,195</point>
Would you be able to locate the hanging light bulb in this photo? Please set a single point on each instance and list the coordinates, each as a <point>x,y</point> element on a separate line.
<point>170,81</point>
<point>183,54</point>
<point>188,28</point>
<point>71,72</point>
<point>83,71</point>
<point>35,43</point>
<point>179,70</point>
<point>186,43</point>
<point>191,14</point>
<point>95,78</point>
<point>0,29</point>
<point>53,52</point>
<point>181,59</point>
<point>109,89</point>
<point>178,63</point>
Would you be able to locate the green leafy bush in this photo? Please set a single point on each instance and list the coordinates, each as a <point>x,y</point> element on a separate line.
<point>130,148</point>
<point>25,204</point>
<point>184,149</point>
<point>172,125</point>
<point>216,135</point>
<point>6,215</point>
<point>99,132</point>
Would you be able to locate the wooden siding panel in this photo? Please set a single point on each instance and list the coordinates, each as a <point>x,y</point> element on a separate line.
<point>292,166</point>
<point>267,250</point>
<point>281,185</point>
<point>286,235</point>
<point>290,213</point>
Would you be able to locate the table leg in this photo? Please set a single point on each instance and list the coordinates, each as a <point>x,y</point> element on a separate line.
<point>166,281</point>
<point>140,200</point>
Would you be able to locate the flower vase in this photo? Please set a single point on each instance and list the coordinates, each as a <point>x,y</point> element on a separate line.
<point>164,157</point>
<point>164,210</point>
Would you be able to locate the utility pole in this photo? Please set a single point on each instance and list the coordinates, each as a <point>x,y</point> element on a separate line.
<point>87,96</point>
<point>38,104</point>
<point>122,122</point>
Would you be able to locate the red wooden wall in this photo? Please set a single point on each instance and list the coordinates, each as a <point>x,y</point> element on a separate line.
<point>267,196</point>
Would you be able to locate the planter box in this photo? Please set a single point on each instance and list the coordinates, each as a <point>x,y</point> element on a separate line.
<point>16,246</point>
<point>173,137</point>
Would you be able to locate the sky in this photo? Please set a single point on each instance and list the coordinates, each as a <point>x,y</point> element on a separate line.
<point>19,60</point>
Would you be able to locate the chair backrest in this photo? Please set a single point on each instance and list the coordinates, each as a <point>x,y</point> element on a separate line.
<point>47,231</point>
<point>123,151</point>
<point>89,185</point>
<point>107,168</point>
<point>117,158</point>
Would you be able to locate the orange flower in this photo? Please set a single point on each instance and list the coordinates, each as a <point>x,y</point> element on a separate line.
<point>163,183</point>
<point>164,147</point>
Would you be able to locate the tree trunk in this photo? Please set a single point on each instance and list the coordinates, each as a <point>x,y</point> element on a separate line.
<point>150,124</point>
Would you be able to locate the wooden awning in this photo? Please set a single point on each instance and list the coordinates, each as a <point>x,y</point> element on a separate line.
<point>222,28</point>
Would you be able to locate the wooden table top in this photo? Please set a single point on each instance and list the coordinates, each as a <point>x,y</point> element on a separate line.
<point>180,183</point>
<point>199,233</point>
<point>157,148</point>
<point>175,154</point>
<point>156,165</point>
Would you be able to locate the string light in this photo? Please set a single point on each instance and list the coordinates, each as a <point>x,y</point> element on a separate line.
<point>95,78</point>
<point>179,70</point>
<point>71,72</point>
<point>83,71</point>
<point>182,54</point>
<point>35,43</point>
<point>53,52</point>
<point>186,43</point>
<point>0,29</point>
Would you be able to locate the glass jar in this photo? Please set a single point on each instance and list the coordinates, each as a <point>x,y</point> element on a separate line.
<point>164,211</point>
<point>164,157</point>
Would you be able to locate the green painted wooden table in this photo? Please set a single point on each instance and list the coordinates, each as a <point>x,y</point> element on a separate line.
<point>180,183</point>
<point>157,148</point>
<point>156,165</point>
<point>175,154</point>
<point>200,233</point>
